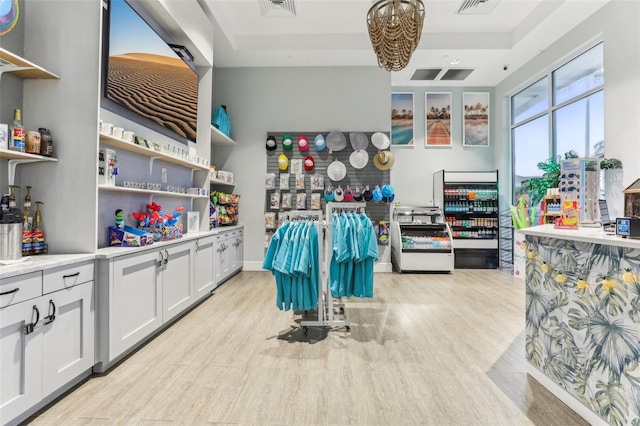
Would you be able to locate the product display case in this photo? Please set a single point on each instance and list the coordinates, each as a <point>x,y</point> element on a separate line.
<point>471,208</point>
<point>420,240</point>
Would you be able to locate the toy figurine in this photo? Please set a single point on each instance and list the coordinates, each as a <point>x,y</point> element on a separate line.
<point>119,219</point>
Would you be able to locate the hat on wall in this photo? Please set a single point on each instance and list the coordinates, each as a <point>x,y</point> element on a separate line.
<point>339,194</point>
<point>358,159</point>
<point>380,140</point>
<point>387,190</point>
<point>328,193</point>
<point>336,141</point>
<point>283,162</point>
<point>309,163</point>
<point>367,194</point>
<point>348,194</point>
<point>271,143</point>
<point>377,194</point>
<point>336,171</point>
<point>383,160</point>
<point>358,140</point>
<point>319,143</point>
<point>287,142</point>
<point>357,194</point>
<point>303,143</point>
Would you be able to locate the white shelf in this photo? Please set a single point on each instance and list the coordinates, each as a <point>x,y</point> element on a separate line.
<point>17,155</point>
<point>220,182</point>
<point>219,138</point>
<point>152,153</point>
<point>22,68</point>
<point>148,192</point>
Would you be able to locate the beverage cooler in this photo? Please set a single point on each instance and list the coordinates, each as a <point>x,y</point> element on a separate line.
<point>470,204</point>
<point>420,240</point>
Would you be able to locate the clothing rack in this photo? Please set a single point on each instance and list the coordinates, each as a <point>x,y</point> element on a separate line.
<point>294,215</point>
<point>326,303</point>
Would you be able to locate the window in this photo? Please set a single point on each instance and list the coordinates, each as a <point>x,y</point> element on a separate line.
<point>555,118</point>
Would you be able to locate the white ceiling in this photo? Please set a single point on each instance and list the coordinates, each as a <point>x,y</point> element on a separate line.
<point>334,33</point>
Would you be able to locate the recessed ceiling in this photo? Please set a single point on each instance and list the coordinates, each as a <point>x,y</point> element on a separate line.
<point>334,33</point>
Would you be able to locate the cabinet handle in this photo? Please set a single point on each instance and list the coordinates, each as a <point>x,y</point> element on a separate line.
<point>197,245</point>
<point>51,318</point>
<point>28,329</point>
<point>167,258</point>
<point>159,262</point>
<point>71,275</point>
<point>15,290</point>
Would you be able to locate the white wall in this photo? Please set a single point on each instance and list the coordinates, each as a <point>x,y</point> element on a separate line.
<point>617,25</point>
<point>260,100</point>
<point>412,178</point>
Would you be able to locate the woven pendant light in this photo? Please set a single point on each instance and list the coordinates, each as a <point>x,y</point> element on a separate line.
<point>395,27</point>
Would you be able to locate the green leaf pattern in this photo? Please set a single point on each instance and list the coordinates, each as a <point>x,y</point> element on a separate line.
<point>582,307</point>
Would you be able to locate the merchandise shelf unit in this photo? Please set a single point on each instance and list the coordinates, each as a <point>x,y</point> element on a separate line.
<point>16,157</point>
<point>551,214</point>
<point>471,208</point>
<point>220,182</point>
<point>420,240</point>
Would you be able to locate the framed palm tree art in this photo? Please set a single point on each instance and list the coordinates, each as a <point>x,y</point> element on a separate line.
<point>437,107</point>
<point>475,123</point>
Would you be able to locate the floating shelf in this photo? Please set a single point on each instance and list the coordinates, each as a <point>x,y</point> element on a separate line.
<point>22,68</point>
<point>220,182</point>
<point>16,157</point>
<point>148,192</point>
<point>131,147</point>
<point>219,138</point>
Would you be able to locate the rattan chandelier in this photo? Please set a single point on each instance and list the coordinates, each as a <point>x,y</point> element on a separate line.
<point>395,27</point>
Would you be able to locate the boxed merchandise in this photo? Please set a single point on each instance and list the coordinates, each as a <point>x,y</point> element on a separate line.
<point>129,237</point>
<point>213,173</point>
<point>225,176</point>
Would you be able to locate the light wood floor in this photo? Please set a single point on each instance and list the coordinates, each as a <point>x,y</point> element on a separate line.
<point>427,350</point>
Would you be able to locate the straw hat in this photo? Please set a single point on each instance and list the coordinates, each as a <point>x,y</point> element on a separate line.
<point>383,160</point>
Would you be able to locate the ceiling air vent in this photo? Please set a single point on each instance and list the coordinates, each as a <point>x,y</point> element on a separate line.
<point>277,8</point>
<point>456,74</point>
<point>425,74</point>
<point>477,7</point>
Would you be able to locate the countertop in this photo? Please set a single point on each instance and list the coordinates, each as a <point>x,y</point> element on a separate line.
<point>49,261</point>
<point>588,235</point>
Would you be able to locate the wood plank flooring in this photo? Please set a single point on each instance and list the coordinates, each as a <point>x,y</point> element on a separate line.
<point>429,349</point>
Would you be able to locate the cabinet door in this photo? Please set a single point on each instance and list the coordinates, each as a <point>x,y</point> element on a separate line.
<point>218,258</point>
<point>68,348</point>
<point>135,300</point>
<point>177,280</point>
<point>204,266</point>
<point>239,252</point>
<point>20,359</point>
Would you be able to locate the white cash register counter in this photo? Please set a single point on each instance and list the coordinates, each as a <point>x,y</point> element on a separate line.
<point>583,320</point>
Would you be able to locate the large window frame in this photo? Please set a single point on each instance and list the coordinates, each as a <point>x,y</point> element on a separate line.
<point>550,111</point>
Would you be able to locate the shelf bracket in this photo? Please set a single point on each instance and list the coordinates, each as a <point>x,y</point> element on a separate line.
<point>12,168</point>
<point>192,173</point>
<point>151,164</point>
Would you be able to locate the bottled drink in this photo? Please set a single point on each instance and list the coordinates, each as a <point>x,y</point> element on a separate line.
<point>17,134</point>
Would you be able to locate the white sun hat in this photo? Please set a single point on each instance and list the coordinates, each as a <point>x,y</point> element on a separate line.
<point>380,140</point>
<point>359,159</point>
<point>358,140</point>
<point>336,141</point>
<point>337,171</point>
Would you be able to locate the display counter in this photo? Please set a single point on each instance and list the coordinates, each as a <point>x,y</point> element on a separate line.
<point>583,320</point>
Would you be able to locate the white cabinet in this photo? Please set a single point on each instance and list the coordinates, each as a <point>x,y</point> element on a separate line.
<point>46,341</point>
<point>20,360</point>
<point>68,335</point>
<point>178,291</point>
<point>228,254</point>
<point>204,266</point>
<point>135,300</point>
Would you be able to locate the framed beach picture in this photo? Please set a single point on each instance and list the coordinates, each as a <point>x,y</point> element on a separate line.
<point>402,119</point>
<point>475,125</point>
<point>437,107</point>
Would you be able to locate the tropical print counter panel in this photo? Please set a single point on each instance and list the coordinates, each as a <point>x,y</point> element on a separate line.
<point>583,322</point>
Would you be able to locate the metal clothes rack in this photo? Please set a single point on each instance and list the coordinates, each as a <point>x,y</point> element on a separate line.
<point>326,303</point>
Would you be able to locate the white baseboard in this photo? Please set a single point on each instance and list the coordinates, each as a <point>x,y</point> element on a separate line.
<point>564,396</point>
<point>252,265</point>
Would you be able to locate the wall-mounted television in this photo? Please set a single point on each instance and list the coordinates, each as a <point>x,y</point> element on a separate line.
<point>147,78</point>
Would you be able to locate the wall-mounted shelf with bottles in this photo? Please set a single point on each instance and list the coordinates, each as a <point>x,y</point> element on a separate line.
<point>149,192</point>
<point>219,138</point>
<point>152,153</point>
<point>22,68</point>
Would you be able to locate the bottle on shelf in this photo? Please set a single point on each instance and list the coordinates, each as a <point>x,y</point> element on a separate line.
<point>18,133</point>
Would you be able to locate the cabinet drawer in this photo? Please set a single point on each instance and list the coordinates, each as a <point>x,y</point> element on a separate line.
<point>20,288</point>
<point>67,276</point>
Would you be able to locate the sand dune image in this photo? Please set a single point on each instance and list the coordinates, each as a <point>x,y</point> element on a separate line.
<point>157,87</point>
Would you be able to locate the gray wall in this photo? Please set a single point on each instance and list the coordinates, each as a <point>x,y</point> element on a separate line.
<point>413,181</point>
<point>260,100</point>
<point>617,25</point>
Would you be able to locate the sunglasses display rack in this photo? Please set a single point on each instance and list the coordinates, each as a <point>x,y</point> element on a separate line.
<point>580,183</point>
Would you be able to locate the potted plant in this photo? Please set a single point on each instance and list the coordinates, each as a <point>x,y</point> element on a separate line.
<point>536,187</point>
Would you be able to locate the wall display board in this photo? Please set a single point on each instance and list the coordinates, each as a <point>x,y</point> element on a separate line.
<point>285,190</point>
